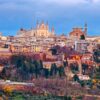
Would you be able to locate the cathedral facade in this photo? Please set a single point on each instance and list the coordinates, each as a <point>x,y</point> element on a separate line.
<point>41,30</point>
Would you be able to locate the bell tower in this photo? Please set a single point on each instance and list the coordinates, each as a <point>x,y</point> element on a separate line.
<point>52,30</point>
<point>85,29</point>
<point>37,26</point>
<point>47,25</point>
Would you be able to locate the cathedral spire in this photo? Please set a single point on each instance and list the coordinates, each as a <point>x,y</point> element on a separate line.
<point>42,22</point>
<point>85,29</point>
<point>37,26</point>
<point>53,30</point>
<point>47,25</point>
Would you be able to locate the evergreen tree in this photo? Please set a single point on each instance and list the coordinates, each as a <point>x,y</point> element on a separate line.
<point>76,78</point>
<point>65,63</point>
<point>37,68</point>
<point>61,71</point>
<point>82,37</point>
<point>96,55</point>
<point>46,72</point>
<point>53,70</point>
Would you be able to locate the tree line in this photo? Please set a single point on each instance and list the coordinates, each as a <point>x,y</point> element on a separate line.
<point>25,68</point>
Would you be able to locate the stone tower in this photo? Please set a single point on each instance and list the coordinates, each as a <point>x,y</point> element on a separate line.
<point>37,25</point>
<point>85,29</point>
<point>53,30</point>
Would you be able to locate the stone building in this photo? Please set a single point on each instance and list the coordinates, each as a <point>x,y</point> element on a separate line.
<point>41,30</point>
<point>77,32</point>
<point>41,39</point>
<point>36,40</point>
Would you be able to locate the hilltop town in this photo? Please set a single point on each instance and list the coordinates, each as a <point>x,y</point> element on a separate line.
<point>41,57</point>
<point>41,38</point>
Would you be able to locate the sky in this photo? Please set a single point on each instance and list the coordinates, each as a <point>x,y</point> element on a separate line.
<point>62,14</point>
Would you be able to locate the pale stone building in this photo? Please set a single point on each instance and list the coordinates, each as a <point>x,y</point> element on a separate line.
<point>41,30</point>
<point>37,39</point>
<point>41,39</point>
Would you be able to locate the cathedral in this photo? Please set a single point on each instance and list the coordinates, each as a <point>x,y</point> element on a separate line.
<point>41,30</point>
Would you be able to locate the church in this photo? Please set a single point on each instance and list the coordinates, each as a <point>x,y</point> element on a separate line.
<point>78,32</point>
<point>41,30</point>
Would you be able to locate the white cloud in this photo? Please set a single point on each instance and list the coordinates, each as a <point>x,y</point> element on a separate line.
<point>66,2</point>
<point>96,1</point>
<point>33,3</point>
<point>73,2</point>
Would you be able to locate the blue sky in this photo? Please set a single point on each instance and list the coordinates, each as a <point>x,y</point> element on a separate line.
<point>62,14</point>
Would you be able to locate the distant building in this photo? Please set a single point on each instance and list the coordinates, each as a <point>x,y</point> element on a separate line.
<point>3,40</point>
<point>41,39</point>
<point>84,46</point>
<point>41,30</point>
<point>36,40</point>
<point>94,39</point>
<point>78,32</point>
